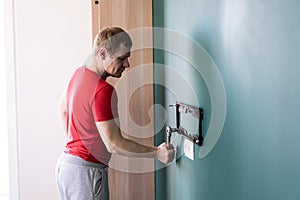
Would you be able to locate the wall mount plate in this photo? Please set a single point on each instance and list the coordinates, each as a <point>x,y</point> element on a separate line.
<point>189,149</point>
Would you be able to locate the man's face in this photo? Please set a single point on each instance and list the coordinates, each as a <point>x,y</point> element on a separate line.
<point>117,63</point>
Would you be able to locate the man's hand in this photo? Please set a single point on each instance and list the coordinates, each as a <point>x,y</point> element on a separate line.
<point>165,153</point>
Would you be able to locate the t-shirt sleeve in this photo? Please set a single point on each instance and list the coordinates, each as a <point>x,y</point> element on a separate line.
<point>106,104</point>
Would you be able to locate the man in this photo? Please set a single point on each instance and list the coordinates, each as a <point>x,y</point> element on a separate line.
<point>88,110</point>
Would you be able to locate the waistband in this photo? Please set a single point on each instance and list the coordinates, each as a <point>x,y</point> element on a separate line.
<point>68,158</point>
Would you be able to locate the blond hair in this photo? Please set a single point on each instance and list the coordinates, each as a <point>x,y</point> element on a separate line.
<point>111,38</point>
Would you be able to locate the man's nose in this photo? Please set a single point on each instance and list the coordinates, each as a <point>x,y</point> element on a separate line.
<point>126,63</point>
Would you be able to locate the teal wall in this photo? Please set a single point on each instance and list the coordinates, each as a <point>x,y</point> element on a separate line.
<point>256,47</point>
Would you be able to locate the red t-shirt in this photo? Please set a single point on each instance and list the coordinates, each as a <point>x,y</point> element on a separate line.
<point>89,99</point>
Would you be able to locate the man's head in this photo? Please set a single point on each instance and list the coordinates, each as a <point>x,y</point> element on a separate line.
<point>112,46</point>
<point>111,38</point>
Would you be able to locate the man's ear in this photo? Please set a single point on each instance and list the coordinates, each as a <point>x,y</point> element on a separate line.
<point>102,53</point>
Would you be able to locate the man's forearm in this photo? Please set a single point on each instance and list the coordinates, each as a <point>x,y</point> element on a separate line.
<point>131,148</point>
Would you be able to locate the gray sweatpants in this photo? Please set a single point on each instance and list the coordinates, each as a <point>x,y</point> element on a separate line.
<point>78,179</point>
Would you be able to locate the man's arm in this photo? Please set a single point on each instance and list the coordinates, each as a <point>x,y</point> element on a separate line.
<point>62,110</point>
<point>117,144</point>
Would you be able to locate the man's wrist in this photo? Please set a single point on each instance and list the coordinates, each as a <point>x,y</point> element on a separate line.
<point>155,152</point>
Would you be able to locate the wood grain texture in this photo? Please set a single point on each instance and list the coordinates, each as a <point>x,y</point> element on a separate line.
<point>132,178</point>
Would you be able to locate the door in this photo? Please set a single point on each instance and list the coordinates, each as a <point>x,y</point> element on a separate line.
<point>132,178</point>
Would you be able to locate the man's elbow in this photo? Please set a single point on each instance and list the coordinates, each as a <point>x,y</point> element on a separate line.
<point>114,148</point>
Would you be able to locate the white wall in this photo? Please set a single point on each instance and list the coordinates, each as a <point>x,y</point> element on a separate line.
<point>52,37</point>
<point>3,114</point>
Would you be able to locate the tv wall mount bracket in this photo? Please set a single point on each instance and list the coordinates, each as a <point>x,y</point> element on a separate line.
<point>182,108</point>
